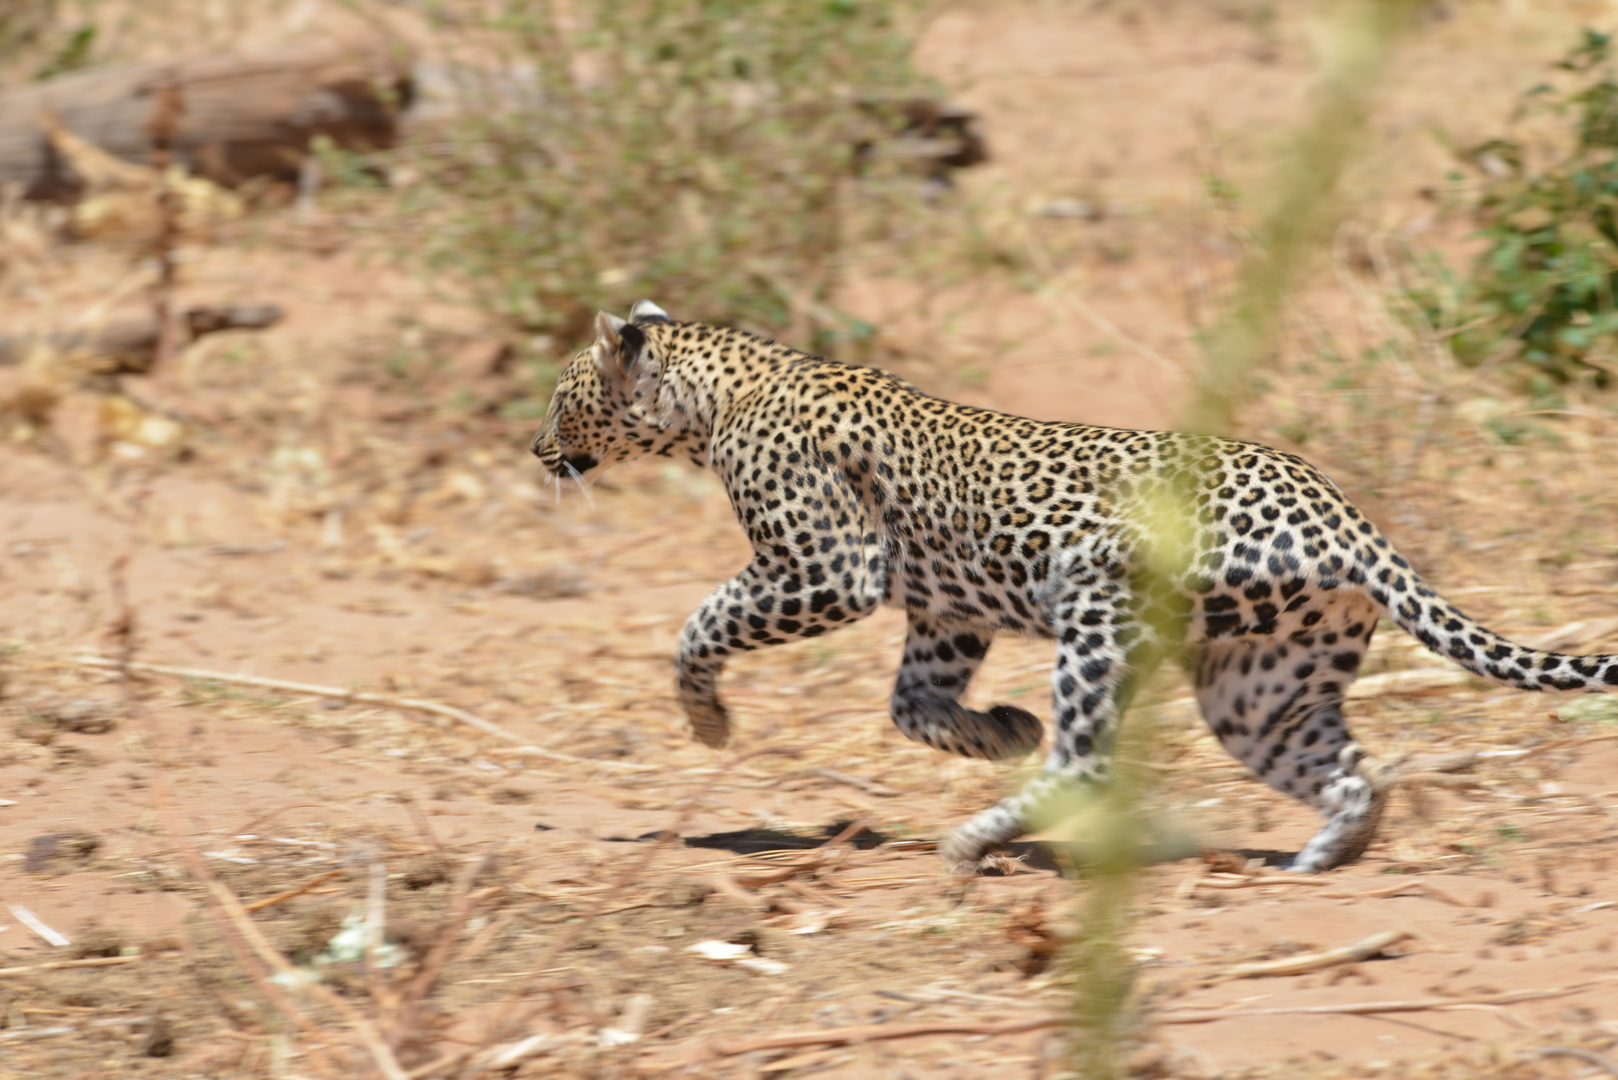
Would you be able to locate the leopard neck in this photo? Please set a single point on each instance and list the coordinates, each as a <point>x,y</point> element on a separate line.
<point>708,369</point>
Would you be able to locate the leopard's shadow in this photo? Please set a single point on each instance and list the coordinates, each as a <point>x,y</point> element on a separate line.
<point>757,841</point>
<point>1068,858</point>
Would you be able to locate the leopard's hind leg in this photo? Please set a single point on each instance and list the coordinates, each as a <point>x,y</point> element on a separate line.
<point>940,659</point>
<point>1276,704</point>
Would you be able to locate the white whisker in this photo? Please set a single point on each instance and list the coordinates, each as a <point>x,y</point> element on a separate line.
<point>579,479</point>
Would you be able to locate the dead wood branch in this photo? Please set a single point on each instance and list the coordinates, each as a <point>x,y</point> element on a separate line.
<point>243,117</point>
<point>129,346</point>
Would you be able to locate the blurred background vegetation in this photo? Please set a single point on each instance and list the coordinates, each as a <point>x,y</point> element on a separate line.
<point>734,159</point>
<point>709,154</point>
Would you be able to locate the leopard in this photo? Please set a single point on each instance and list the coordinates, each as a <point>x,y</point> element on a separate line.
<point>857,490</point>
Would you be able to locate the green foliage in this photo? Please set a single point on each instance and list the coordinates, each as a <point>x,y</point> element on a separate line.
<point>1542,290</point>
<point>72,54</point>
<point>709,154</point>
<point>36,42</point>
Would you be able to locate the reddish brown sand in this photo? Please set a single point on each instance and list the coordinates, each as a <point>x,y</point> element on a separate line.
<point>335,524</point>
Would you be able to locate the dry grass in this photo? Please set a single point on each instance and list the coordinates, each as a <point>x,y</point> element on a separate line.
<point>363,440</point>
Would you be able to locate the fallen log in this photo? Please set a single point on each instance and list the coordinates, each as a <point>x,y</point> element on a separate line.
<point>129,346</point>
<point>238,117</point>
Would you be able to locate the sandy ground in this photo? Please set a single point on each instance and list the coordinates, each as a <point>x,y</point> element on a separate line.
<point>319,516</point>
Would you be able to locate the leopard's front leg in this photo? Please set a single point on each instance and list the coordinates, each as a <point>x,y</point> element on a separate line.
<point>1103,652</point>
<point>770,603</point>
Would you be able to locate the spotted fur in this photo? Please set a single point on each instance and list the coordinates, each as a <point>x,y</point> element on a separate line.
<point>856,489</point>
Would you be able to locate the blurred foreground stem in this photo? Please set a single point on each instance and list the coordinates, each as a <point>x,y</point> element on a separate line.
<point>1357,40</point>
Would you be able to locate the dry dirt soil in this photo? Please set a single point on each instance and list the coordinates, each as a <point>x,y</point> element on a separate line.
<point>463,728</point>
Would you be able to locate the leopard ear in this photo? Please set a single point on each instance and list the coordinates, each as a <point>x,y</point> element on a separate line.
<point>646,311</point>
<point>618,344</point>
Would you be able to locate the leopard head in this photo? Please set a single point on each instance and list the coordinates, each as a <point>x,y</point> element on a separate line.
<point>605,409</point>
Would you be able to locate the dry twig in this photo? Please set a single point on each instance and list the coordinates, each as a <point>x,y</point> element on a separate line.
<point>243,936</point>
<point>1352,953</point>
<point>58,965</point>
<point>1215,882</point>
<point>232,908</point>
<point>1394,890</point>
<point>504,1018</point>
<point>290,894</point>
<point>443,943</point>
<point>870,787</point>
<point>365,698</point>
<point>1605,1064</point>
<point>703,1049</point>
<point>1367,1008</point>
<point>816,858</point>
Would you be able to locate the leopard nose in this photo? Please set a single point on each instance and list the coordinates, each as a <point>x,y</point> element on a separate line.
<point>533,444</point>
<point>579,464</point>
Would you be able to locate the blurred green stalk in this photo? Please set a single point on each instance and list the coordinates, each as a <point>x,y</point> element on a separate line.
<point>1356,43</point>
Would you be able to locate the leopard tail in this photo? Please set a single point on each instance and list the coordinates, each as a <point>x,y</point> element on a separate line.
<point>1447,631</point>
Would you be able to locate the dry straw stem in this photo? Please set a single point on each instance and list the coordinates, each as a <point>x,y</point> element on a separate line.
<point>1360,37</point>
<point>364,698</point>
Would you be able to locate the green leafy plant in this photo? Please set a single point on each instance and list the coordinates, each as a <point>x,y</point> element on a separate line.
<point>1542,289</point>
<point>41,39</point>
<point>716,155</point>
